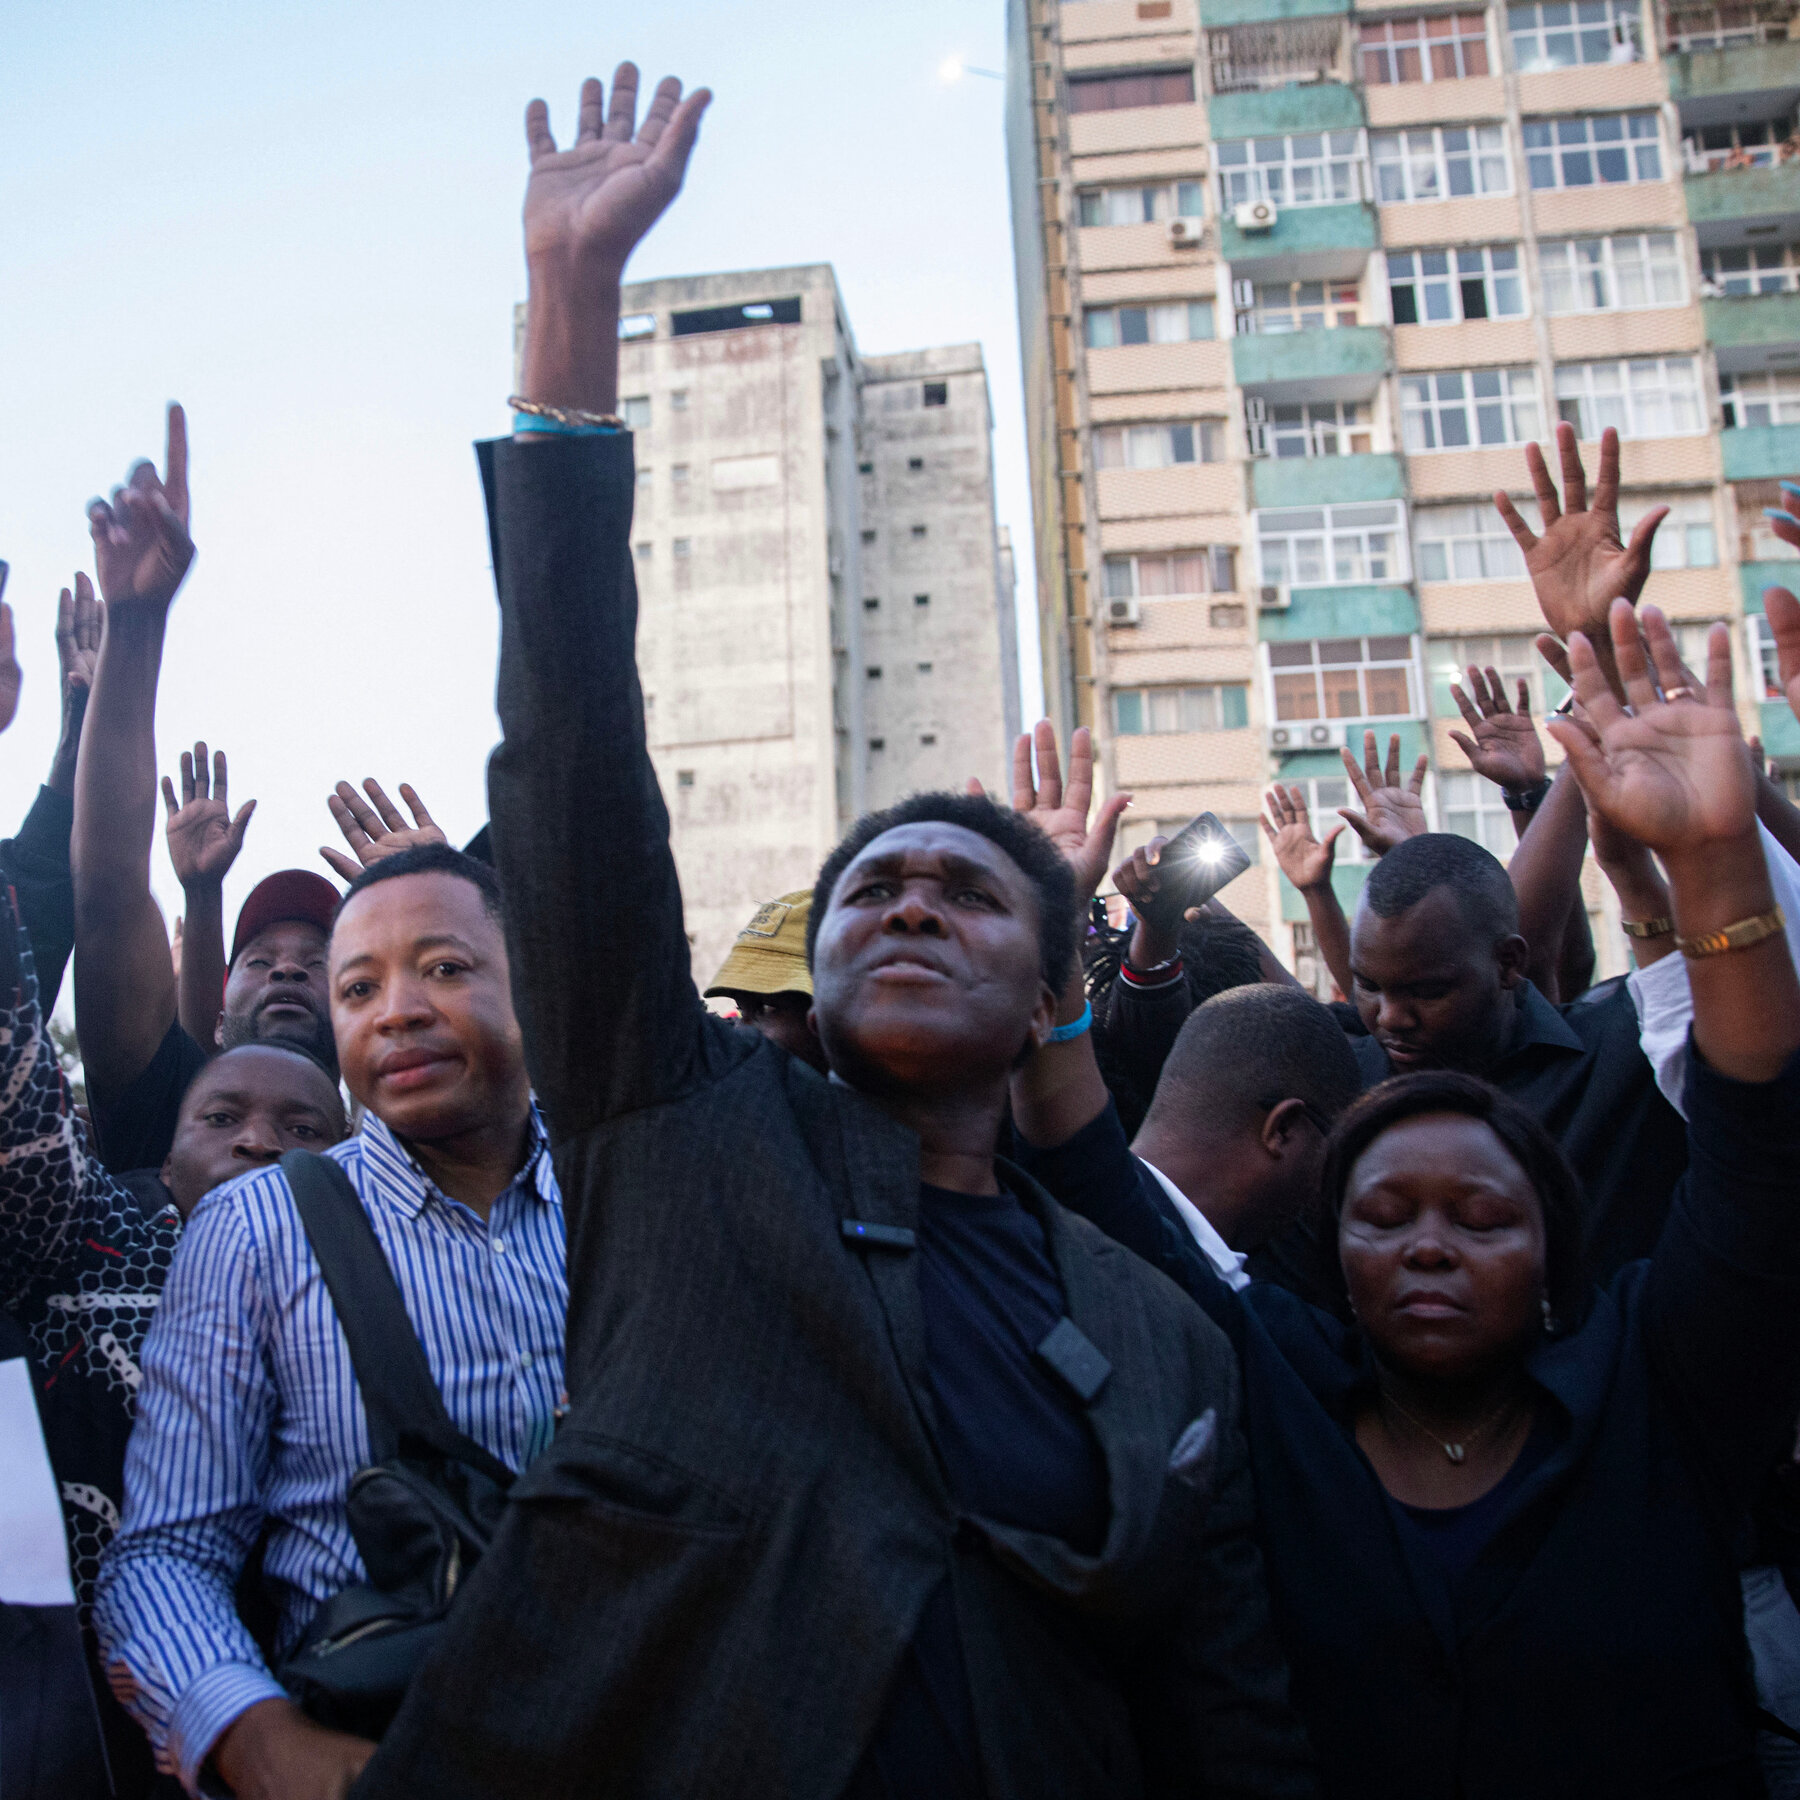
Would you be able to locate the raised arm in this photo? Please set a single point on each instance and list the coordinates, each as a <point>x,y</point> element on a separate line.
<point>375,827</point>
<point>1307,862</point>
<point>601,983</point>
<point>124,981</point>
<point>204,841</point>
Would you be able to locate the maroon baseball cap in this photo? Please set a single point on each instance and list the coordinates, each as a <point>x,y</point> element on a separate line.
<point>287,894</point>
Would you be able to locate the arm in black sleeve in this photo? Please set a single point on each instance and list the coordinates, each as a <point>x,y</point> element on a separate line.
<point>36,862</point>
<point>1136,1027</point>
<point>599,952</point>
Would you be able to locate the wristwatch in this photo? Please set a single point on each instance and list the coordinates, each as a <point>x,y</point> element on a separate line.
<point>1526,800</point>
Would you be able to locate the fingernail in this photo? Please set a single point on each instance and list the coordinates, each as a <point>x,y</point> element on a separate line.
<point>1776,512</point>
<point>1790,487</point>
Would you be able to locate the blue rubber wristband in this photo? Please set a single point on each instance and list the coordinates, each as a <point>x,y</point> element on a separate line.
<point>1060,1034</point>
<point>556,428</point>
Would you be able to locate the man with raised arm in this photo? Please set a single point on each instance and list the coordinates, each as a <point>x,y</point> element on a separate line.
<point>138,1055</point>
<point>882,1476</point>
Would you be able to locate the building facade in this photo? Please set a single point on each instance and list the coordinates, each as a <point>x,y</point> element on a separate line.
<point>1298,281</point>
<point>822,623</point>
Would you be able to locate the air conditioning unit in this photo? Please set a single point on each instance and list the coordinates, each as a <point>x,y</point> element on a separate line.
<point>1255,215</point>
<point>1122,609</point>
<point>1312,734</point>
<point>1273,598</point>
<point>1185,234</point>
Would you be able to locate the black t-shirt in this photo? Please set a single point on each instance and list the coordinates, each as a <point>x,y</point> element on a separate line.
<point>1018,1449</point>
<point>135,1127</point>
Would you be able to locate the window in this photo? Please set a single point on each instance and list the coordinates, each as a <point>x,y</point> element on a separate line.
<point>872,604</point>
<point>1227,615</point>
<point>1158,446</point>
<point>1438,287</point>
<point>868,537</point>
<point>635,411</point>
<point>1447,47</point>
<point>921,599</point>
<point>1684,540</point>
<point>1465,543</point>
<point>678,400</point>
<point>937,393</point>
<point>1469,804</point>
<point>923,668</point>
<point>1746,144</point>
<point>1651,396</point>
<point>1772,398</point>
<point>1273,308</point>
<point>865,468</point>
<point>1765,664</point>
<point>1599,274</point>
<point>1324,795</point>
<point>927,737</point>
<point>1440,163</point>
<point>680,473</point>
<point>1560,35</point>
<point>1141,205</point>
<point>1462,408</point>
<point>915,463</point>
<point>1172,322</point>
<point>1273,53</point>
<point>683,547</point>
<point>643,549</point>
<point>1137,711</point>
<point>684,778</point>
<point>918,531</point>
<point>1317,169</point>
<point>1765,269</point>
<point>1179,572</point>
<point>877,743</point>
<point>637,325</point>
<point>1308,428</point>
<point>1111,93</point>
<point>1757,541</point>
<point>735,318</point>
<point>1315,545</point>
<point>1511,655</point>
<point>1570,153</point>
<point>644,484</point>
<point>1726,27</point>
<point>1342,678</point>
<point>873,672</point>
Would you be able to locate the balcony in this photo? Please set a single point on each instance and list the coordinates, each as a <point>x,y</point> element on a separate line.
<point>1317,105</point>
<point>1306,243</point>
<point>1326,480</point>
<point>1743,81</point>
<point>1343,363</point>
<point>1731,206</point>
<point>1753,332</point>
<point>1760,452</point>
<point>1246,59</point>
<point>1218,15</point>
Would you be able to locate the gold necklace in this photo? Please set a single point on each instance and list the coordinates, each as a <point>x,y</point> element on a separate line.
<point>1458,1449</point>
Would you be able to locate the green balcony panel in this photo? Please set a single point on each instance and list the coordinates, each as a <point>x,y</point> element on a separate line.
<point>1307,356</point>
<point>1744,69</point>
<point>1346,879</point>
<point>1761,452</point>
<point>1780,729</point>
<point>1305,236</point>
<point>1754,577</point>
<point>1753,321</point>
<point>1335,612</point>
<point>1263,12</point>
<point>1274,112</point>
<point>1306,765</point>
<point>1729,196</point>
<point>1325,480</point>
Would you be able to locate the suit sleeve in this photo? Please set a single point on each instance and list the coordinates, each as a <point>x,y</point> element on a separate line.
<point>595,933</point>
<point>36,862</point>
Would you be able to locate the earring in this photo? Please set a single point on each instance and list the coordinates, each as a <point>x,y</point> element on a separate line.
<point>1549,1317</point>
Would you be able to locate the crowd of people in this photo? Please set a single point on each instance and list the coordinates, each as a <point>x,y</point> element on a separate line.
<point>1009,1356</point>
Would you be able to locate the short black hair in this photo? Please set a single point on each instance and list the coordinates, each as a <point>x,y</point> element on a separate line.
<point>1218,955</point>
<point>1435,859</point>
<point>430,859</point>
<point>1038,859</point>
<point>1527,1142</point>
<point>1251,1047</point>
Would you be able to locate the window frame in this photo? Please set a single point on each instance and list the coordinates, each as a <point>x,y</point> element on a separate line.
<point>1456,279</point>
<point>1199,696</point>
<point>1205,434</point>
<point>1463,793</point>
<point>1334,298</point>
<point>1320,670</point>
<point>1475,409</point>
<point>1481,157</point>
<point>1252,171</point>
<point>1622,27</point>
<point>1756,278</point>
<point>1542,682</point>
<point>1628,395</point>
<point>1190,308</point>
<point>1174,192</point>
<point>1264,432</point>
<point>1509,558</point>
<point>1122,572</point>
<point>1578,271</point>
<point>1633,144</point>
<point>1422,43</point>
<point>1114,83</point>
<point>1732,388</point>
<point>1333,525</point>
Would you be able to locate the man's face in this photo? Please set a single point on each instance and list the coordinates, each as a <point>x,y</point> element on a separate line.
<point>276,990</point>
<point>242,1111</point>
<point>422,1007</point>
<point>784,1019</point>
<point>1431,991</point>
<point>927,971</point>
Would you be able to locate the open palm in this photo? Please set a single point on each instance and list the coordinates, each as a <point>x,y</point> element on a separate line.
<point>1392,810</point>
<point>204,839</point>
<point>1301,857</point>
<point>1502,745</point>
<point>1061,812</point>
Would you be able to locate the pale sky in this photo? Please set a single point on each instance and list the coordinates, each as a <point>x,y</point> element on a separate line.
<point>302,222</point>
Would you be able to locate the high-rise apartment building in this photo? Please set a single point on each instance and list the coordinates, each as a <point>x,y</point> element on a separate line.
<point>823,623</point>
<point>1297,283</point>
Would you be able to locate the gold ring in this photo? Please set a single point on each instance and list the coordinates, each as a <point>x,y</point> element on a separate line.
<point>1679,693</point>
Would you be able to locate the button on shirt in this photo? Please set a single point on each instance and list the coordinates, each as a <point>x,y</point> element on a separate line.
<point>250,1410</point>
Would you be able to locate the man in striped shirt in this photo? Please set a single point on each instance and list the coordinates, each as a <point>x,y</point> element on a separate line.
<point>250,1410</point>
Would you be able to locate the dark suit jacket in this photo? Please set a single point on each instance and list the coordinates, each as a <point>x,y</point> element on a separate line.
<point>707,1584</point>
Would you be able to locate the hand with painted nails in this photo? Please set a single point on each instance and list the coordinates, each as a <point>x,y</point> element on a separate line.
<point>1578,563</point>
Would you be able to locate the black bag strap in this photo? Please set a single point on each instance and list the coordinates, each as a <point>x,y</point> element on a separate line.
<point>399,1393</point>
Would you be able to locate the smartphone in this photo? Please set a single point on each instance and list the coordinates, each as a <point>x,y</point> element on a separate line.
<point>1200,859</point>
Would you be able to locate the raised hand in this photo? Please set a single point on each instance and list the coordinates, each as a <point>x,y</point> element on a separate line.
<point>1302,858</point>
<point>80,619</point>
<point>1672,772</point>
<point>594,201</point>
<point>1782,611</point>
<point>1139,880</point>
<point>1505,747</point>
<point>376,830</point>
<point>1391,812</point>
<point>204,839</point>
<point>12,677</point>
<point>1061,812</point>
<point>142,549</point>
<point>1579,565</point>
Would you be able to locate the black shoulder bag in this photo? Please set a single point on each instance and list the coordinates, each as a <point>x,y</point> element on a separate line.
<point>425,1508</point>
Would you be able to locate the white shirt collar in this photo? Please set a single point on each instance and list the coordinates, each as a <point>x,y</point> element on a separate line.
<point>1228,1264</point>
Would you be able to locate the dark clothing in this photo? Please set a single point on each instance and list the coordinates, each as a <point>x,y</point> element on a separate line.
<point>36,862</point>
<point>136,1127</point>
<point>1579,1071</point>
<point>1595,1646</point>
<point>1452,1538</point>
<point>709,1582</point>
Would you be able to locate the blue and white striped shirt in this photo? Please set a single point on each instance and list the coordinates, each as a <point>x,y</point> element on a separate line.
<point>250,1410</point>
